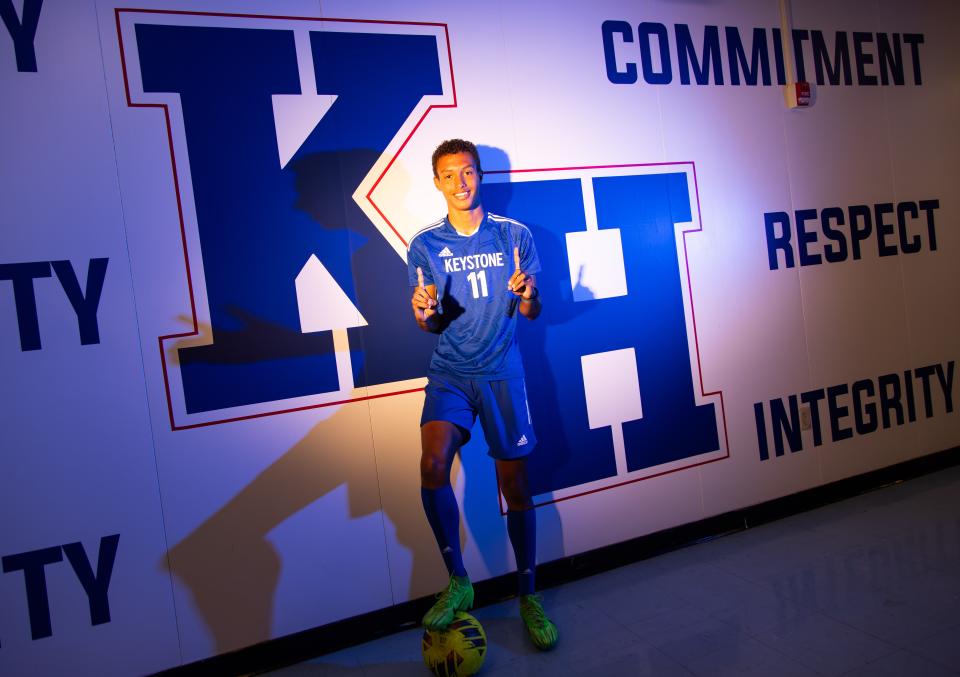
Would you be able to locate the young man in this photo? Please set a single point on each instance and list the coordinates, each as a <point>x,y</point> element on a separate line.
<point>473,273</point>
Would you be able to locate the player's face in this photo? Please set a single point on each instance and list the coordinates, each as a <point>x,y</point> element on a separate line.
<point>459,181</point>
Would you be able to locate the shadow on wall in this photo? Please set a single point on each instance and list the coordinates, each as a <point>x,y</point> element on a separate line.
<point>228,564</point>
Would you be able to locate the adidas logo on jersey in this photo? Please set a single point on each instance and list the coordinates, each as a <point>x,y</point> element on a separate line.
<point>446,252</point>
<point>522,441</point>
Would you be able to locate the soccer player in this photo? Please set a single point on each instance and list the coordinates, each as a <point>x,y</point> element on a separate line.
<point>473,274</point>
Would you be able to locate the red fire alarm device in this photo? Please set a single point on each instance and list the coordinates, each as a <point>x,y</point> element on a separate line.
<point>797,94</point>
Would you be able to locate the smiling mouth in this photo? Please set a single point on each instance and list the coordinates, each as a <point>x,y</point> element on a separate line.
<point>461,196</point>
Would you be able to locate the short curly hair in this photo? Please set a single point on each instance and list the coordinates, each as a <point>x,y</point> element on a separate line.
<point>452,147</point>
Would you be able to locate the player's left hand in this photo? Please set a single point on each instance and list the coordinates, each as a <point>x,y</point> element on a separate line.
<point>520,283</point>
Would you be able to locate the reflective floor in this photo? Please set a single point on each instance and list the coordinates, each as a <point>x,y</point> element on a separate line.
<point>866,586</point>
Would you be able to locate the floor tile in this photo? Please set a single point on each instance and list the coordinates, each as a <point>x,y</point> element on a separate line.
<point>700,639</point>
<point>865,586</point>
<point>625,659</point>
<point>893,616</point>
<point>749,658</point>
<point>942,648</point>
<point>902,664</point>
<point>825,645</point>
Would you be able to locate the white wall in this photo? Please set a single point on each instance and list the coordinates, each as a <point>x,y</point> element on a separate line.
<point>270,485</point>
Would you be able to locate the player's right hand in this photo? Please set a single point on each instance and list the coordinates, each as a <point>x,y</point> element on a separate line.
<point>424,304</point>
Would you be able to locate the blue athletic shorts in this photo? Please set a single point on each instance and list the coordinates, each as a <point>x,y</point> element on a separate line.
<point>501,405</point>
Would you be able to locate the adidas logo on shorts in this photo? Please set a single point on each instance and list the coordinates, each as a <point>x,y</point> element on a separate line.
<point>522,441</point>
<point>446,252</point>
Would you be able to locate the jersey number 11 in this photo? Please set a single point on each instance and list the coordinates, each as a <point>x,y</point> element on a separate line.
<point>478,281</point>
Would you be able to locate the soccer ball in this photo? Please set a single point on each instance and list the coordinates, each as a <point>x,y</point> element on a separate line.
<point>456,651</point>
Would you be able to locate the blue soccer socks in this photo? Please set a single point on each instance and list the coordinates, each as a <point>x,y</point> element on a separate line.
<point>443,514</point>
<point>522,528</point>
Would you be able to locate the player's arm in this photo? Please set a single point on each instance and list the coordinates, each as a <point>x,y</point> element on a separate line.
<point>424,303</point>
<point>525,287</point>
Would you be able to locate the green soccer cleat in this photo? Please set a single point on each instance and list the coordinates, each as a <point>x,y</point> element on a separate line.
<point>540,628</point>
<point>457,596</point>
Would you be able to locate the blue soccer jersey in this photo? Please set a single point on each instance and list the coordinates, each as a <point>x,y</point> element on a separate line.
<point>477,310</point>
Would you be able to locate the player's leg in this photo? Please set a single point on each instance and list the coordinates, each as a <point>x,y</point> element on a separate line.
<point>439,442</point>
<point>446,420</point>
<point>522,529</point>
<point>521,520</point>
<point>505,416</point>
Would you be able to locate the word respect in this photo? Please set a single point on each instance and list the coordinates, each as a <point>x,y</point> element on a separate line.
<point>905,227</point>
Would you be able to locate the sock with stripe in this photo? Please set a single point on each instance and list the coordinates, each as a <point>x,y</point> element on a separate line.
<point>443,514</point>
<point>522,528</point>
